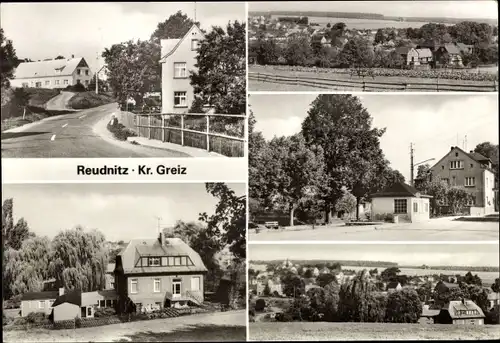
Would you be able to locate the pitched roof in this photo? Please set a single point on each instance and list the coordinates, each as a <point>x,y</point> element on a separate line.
<point>72,297</point>
<point>452,49</point>
<point>63,67</point>
<point>39,295</point>
<point>403,50</point>
<point>399,189</point>
<point>393,285</point>
<point>473,155</point>
<point>168,46</point>
<point>478,157</point>
<point>138,248</point>
<point>456,307</point>
<point>424,53</point>
<point>463,47</point>
<point>91,298</point>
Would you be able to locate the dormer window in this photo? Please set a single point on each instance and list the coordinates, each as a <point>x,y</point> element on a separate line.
<point>154,261</point>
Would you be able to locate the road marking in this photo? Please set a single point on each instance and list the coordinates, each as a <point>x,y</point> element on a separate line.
<point>53,137</point>
<point>65,125</point>
<point>80,117</point>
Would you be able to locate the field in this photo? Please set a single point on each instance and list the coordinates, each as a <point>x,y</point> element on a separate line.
<point>220,326</point>
<point>313,79</point>
<point>369,331</point>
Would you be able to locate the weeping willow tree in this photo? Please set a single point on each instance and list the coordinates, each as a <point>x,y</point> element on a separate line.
<point>79,259</point>
<point>358,300</point>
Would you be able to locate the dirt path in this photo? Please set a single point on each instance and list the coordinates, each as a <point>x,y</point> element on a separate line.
<point>59,102</point>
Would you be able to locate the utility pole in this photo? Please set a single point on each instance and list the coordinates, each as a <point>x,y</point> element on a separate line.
<point>97,74</point>
<point>411,164</point>
<point>158,219</point>
<point>195,11</point>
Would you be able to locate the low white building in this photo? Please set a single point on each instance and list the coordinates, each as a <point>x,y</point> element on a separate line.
<point>59,73</point>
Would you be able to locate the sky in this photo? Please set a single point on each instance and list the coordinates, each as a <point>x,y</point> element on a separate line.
<point>450,9</point>
<point>119,211</point>
<point>432,122</point>
<point>46,30</point>
<point>408,254</point>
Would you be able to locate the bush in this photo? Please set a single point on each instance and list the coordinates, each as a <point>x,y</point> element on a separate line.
<point>84,100</point>
<point>104,312</point>
<point>260,305</point>
<point>78,322</point>
<point>76,88</point>
<point>283,317</point>
<point>36,318</point>
<point>120,131</point>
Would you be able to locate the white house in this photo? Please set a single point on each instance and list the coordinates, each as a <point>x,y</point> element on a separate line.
<point>403,201</point>
<point>52,73</point>
<point>178,58</point>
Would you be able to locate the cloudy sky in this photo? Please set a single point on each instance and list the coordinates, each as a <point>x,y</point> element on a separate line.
<point>407,254</point>
<point>45,30</point>
<point>120,211</point>
<point>432,122</point>
<point>451,9</point>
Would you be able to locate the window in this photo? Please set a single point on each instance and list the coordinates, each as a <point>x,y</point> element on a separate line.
<point>57,82</point>
<point>102,303</point>
<point>25,84</point>
<point>50,303</point>
<point>157,285</point>
<point>456,164</point>
<point>471,201</point>
<point>38,85</point>
<point>194,44</point>
<point>154,261</point>
<point>195,283</point>
<point>66,82</point>
<point>78,81</point>
<point>133,286</point>
<point>472,165</point>
<point>86,82</point>
<point>108,303</point>
<point>442,167</point>
<point>400,206</point>
<point>145,261</point>
<point>89,311</point>
<point>177,261</point>
<point>470,181</point>
<point>112,284</point>
<point>47,83</point>
<point>41,304</point>
<point>86,72</point>
<point>180,70</point>
<point>415,207</point>
<point>78,72</point>
<point>180,99</point>
<point>456,154</point>
<point>170,261</point>
<point>176,287</point>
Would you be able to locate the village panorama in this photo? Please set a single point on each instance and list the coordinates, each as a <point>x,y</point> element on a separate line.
<point>124,262</point>
<point>373,46</point>
<point>349,167</point>
<point>367,292</point>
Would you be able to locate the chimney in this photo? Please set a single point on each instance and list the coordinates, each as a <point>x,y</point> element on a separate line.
<point>72,56</point>
<point>452,148</point>
<point>61,291</point>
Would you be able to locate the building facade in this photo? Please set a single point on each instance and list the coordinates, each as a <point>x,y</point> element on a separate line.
<point>38,302</point>
<point>157,273</point>
<point>472,171</point>
<point>59,73</point>
<point>178,58</point>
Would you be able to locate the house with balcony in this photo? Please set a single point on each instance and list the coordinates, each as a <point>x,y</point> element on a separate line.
<point>472,171</point>
<point>58,73</point>
<point>159,273</point>
<point>178,58</point>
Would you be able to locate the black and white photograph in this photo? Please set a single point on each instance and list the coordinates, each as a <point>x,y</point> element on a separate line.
<point>124,262</point>
<point>374,167</point>
<point>126,79</point>
<point>373,292</point>
<point>375,46</point>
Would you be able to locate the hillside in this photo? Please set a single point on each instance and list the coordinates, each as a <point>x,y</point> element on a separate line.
<point>341,262</point>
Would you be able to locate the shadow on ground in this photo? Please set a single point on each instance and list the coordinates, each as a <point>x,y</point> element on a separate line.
<point>191,333</point>
<point>7,135</point>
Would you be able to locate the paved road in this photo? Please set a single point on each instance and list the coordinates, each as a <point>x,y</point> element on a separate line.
<point>205,326</point>
<point>442,229</point>
<point>78,134</point>
<point>59,102</point>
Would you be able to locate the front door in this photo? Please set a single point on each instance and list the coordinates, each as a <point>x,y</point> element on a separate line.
<point>84,312</point>
<point>176,289</point>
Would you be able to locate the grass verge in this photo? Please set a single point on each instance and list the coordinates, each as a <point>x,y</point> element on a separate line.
<point>83,100</point>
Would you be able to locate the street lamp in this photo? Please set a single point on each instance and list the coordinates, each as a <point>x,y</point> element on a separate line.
<point>413,165</point>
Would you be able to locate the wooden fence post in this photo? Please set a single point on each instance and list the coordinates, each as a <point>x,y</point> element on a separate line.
<point>138,123</point>
<point>182,129</point>
<point>437,84</point>
<point>162,128</point>
<point>208,137</point>
<point>149,125</point>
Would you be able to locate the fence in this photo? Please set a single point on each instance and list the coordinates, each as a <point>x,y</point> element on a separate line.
<point>197,130</point>
<point>367,85</point>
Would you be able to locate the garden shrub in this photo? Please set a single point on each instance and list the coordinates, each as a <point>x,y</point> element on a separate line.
<point>104,312</point>
<point>260,304</point>
<point>119,131</point>
<point>78,322</point>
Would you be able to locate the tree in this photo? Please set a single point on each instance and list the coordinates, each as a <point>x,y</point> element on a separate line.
<point>260,305</point>
<point>228,223</point>
<point>432,32</point>
<point>267,290</point>
<point>490,151</point>
<point>341,126</point>
<point>13,235</point>
<point>9,61</point>
<point>379,36</point>
<point>403,306</point>
<point>390,274</point>
<point>293,285</point>
<point>495,287</point>
<point>346,204</point>
<point>60,57</point>
<point>220,80</point>
<point>78,259</point>
<point>425,291</point>
<point>102,84</point>
<point>267,51</point>
<point>298,51</point>
<point>436,188</point>
<point>457,198</point>
<point>357,52</point>
<point>308,273</point>
<point>325,279</point>
<point>175,27</point>
<point>355,298</point>
<point>472,279</point>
